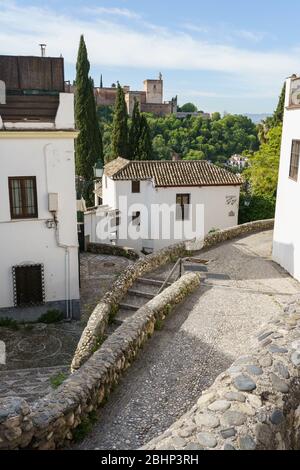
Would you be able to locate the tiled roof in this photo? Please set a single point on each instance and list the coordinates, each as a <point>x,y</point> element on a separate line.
<point>167,173</point>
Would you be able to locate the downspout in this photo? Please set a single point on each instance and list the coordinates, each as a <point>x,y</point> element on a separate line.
<point>69,309</point>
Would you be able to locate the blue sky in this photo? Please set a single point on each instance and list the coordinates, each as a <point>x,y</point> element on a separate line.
<point>220,54</point>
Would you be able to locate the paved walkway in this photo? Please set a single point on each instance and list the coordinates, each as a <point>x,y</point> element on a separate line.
<point>242,290</point>
<point>37,353</point>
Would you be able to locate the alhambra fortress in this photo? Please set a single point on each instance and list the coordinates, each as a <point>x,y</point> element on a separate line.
<point>150,99</point>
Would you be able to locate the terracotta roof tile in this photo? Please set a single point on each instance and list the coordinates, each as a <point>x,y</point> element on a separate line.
<point>167,173</point>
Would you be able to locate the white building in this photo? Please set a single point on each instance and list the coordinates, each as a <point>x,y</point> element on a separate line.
<point>286,244</point>
<point>238,161</point>
<point>163,202</point>
<point>38,223</point>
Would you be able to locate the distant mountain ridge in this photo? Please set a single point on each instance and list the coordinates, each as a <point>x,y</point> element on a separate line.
<point>257,118</point>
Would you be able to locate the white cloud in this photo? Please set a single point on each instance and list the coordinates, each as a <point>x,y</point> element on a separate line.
<point>114,11</point>
<point>112,44</point>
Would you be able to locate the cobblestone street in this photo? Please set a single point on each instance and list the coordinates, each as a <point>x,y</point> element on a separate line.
<point>35,353</point>
<point>202,337</point>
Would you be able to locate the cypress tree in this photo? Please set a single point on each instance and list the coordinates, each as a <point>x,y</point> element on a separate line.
<point>278,114</point>
<point>134,133</point>
<point>120,126</point>
<point>145,141</point>
<point>88,146</point>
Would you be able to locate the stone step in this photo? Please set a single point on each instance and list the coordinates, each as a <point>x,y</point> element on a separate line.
<point>129,307</point>
<point>123,315</point>
<point>152,282</point>
<point>138,293</point>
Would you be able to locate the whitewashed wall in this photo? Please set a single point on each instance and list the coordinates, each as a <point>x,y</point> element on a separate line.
<point>286,244</point>
<point>214,199</point>
<point>30,241</point>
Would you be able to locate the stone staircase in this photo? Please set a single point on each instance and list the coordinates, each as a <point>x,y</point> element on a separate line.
<point>143,290</point>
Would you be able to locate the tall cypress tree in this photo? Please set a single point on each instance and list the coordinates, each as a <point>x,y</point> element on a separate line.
<point>145,141</point>
<point>120,126</point>
<point>88,145</point>
<point>134,133</point>
<point>278,114</point>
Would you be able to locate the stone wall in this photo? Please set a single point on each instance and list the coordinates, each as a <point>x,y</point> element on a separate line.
<point>98,320</point>
<point>114,250</point>
<point>255,404</point>
<point>51,421</point>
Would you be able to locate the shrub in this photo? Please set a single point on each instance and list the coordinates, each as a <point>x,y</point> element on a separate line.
<point>9,323</point>
<point>57,379</point>
<point>51,316</point>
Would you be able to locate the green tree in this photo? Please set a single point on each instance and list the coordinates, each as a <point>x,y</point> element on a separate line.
<point>134,133</point>
<point>88,146</point>
<point>120,126</point>
<point>145,151</point>
<point>263,170</point>
<point>189,108</point>
<point>278,114</point>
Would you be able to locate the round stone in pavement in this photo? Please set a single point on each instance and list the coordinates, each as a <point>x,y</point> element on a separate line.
<point>277,350</point>
<point>247,443</point>
<point>235,396</point>
<point>254,370</point>
<point>244,383</point>
<point>296,358</point>
<point>229,447</point>
<point>282,370</point>
<point>219,405</point>
<point>193,446</point>
<point>208,420</point>
<point>277,417</point>
<point>206,439</point>
<point>278,384</point>
<point>227,433</point>
<point>233,418</point>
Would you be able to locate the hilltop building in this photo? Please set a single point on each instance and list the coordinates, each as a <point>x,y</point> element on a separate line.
<point>150,99</point>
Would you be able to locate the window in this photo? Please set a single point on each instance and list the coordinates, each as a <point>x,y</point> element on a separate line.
<point>135,187</point>
<point>28,285</point>
<point>22,197</point>
<point>182,206</point>
<point>136,218</point>
<point>294,163</point>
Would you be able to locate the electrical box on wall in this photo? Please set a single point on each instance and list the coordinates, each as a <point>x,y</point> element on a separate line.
<point>53,202</point>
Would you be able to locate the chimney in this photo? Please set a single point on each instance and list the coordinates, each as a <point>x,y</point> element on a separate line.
<point>175,157</point>
<point>43,49</point>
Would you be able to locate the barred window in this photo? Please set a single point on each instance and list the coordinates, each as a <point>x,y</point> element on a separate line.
<point>182,206</point>
<point>22,197</point>
<point>294,162</point>
<point>28,285</point>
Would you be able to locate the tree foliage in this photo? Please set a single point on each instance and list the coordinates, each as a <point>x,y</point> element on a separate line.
<point>188,108</point>
<point>145,150</point>
<point>119,135</point>
<point>88,146</point>
<point>134,132</point>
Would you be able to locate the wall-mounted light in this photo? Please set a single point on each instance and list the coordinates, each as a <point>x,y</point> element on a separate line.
<point>98,169</point>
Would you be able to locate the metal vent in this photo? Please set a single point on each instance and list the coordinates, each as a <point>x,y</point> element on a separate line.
<point>29,285</point>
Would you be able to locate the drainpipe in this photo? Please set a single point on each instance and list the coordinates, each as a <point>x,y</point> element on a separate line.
<point>69,309</point>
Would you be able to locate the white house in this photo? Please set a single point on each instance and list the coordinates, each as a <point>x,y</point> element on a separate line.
<point>38,224</point>
<point>151,204</point>
<point>238,161</point>
<point>286,243</point>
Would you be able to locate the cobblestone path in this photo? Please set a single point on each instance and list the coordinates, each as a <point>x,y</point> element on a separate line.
<point>241,290</point>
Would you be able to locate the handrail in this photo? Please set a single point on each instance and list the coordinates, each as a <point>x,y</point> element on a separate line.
<point>178,262</point>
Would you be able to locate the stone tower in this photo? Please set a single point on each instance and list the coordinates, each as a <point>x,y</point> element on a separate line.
<point>154,90</point>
